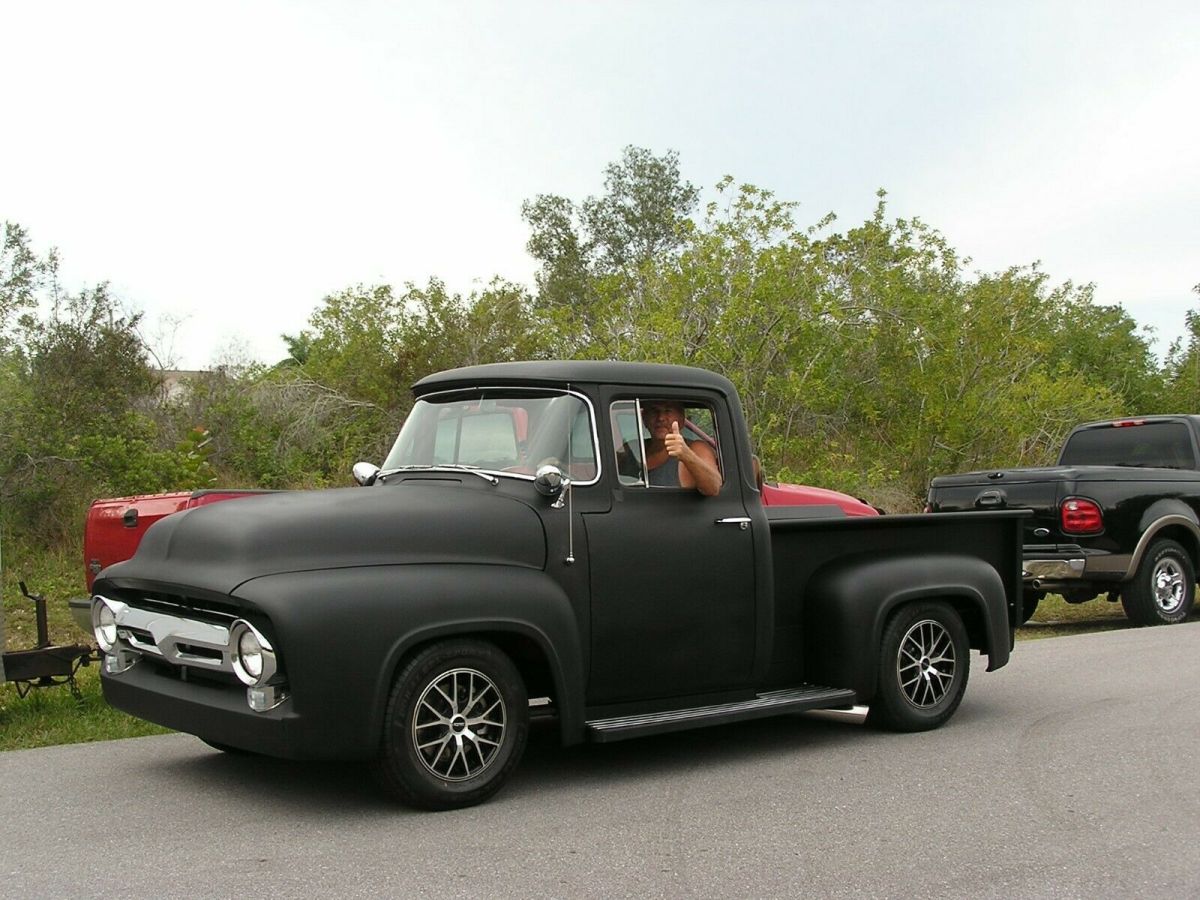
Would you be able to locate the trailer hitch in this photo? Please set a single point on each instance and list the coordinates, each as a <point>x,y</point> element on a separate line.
<point>47,664</point>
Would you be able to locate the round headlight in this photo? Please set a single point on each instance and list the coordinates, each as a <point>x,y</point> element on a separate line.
<point>251,654</point>
<point>104,624</point>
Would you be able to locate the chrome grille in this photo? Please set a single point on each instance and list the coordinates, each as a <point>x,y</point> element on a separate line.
<point>177,639</point>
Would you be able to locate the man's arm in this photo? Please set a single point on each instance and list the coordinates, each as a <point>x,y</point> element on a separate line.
<point>698,463</point>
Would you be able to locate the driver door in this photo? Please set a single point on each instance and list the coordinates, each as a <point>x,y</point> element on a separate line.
<point>673,606</point>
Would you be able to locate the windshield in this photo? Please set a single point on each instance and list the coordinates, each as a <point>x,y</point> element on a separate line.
<point>508,432</point>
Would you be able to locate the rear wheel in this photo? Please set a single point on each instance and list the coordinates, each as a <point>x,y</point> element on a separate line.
<point>455,726</point>
<point>924,661</point>
<point>1163,588</point>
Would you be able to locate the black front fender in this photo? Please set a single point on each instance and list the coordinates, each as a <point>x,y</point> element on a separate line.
<point>342,634</point>
<point>848,603</point>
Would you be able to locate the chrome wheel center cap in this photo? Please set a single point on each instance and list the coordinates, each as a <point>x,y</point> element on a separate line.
<point>458,724</point>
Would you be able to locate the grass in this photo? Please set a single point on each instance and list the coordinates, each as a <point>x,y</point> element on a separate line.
<point>1056,617</point>
<point>53,716</point>
<point>58,575</point>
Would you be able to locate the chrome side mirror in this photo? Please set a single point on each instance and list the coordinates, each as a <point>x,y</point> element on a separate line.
<point>365,473</point>
<point>551,482</point>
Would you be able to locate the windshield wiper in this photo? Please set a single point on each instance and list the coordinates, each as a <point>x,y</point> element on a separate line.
<point>474,470</point>
<point>441,467</point>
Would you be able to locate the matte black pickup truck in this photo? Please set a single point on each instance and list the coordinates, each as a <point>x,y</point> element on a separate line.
<point>513,555</point>
<point>1119,514</point>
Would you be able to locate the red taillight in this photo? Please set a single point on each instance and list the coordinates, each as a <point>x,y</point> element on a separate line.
<point>1128,423</point>
<point>1081,516</point>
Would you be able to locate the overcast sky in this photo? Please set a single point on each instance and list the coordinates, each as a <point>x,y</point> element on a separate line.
<point>230,163</point>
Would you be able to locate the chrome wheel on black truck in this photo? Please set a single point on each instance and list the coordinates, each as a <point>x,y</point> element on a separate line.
<point>924,661</point>
<point>455,727</point>
<point>1164,587</point>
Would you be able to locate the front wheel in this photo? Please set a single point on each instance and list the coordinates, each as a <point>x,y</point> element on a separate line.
<point>1163,587</point>
<point>924,661</point>
<point>455,726</point>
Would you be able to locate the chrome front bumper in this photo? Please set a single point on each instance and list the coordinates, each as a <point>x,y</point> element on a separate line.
<point>175,639</point>
<point>188,643</point>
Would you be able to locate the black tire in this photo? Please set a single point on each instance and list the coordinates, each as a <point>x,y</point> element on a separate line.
<point>1029,605</point>
<point>455,726</point>
<point>924,663</point>
<point>1163,588</point>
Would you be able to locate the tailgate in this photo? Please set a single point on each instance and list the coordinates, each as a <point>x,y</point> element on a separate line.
<point>1038,490</point>
<point>114,527</point>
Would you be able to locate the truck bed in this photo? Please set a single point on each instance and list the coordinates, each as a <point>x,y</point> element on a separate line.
<point>806,545</point>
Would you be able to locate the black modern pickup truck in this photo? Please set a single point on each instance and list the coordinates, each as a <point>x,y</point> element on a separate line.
<point>514,556</point>
<point>1119,515</point>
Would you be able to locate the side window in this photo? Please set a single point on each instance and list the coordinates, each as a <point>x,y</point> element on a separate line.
<point>639,426</point>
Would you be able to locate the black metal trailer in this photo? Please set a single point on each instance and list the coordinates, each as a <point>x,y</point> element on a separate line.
<point>47,664</point>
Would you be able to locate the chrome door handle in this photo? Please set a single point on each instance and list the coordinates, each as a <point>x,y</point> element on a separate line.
<point>743,522</point>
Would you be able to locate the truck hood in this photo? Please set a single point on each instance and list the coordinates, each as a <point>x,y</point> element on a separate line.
<point>220,546</point>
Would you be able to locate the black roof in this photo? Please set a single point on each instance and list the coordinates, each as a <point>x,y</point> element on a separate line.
<point>577,371</point>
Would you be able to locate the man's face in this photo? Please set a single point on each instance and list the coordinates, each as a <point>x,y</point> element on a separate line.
<point>658,416</point>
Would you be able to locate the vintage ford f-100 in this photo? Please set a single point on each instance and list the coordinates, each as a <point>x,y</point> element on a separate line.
<point>520,544</point>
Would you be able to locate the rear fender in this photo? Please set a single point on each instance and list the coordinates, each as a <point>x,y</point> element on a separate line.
<point>848,603</point>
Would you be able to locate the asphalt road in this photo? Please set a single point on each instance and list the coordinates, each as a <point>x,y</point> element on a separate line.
<point>1066,774</point>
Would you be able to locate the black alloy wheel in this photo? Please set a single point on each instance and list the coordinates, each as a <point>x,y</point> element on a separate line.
<point>924,662</point>
<point>455,727</point>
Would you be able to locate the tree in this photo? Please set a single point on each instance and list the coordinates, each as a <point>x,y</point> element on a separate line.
<point>22,276</point>
<point>596,250</point>
<point>79,423</point>
<point>343,392</point>
<point>82,416</point>
<point>866,358</point>
<point>1181,371</point>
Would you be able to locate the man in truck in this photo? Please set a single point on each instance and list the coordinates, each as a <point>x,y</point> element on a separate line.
<point>672,461</point>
